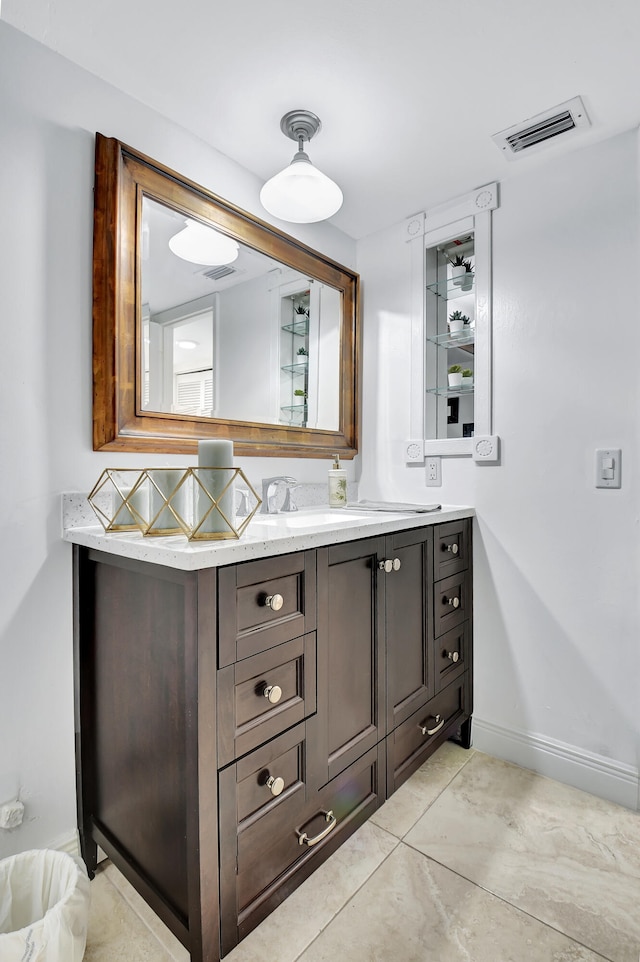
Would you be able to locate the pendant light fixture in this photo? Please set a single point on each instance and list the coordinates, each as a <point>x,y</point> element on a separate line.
<point>200,244</point>
<point>301,193</point>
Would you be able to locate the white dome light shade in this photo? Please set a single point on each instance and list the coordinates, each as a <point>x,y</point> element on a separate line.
<point>301,193</point>
<point>204,245</point>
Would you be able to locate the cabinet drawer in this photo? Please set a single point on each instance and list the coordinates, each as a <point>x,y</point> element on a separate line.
<point>451,548</point>
<point>452,654</point>
<point>451,603</point>
<point>281,842</point>
<point>413,741</point>
<point>265,603</point>
<point>251,710</point>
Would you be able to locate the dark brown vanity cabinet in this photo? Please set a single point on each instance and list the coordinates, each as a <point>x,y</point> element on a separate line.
<point>235,725</point>
<point>429,631</point>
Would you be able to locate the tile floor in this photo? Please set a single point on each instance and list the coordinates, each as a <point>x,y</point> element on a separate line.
<point>472,860</point>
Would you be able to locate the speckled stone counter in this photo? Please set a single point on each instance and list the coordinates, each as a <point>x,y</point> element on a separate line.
<point>266,535</point>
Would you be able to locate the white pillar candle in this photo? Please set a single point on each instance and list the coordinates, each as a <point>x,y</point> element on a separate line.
<point>124,516</point>
<point>216,453</point>
<point>165,482</point>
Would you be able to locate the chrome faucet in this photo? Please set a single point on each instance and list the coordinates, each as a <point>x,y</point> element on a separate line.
<point>268,505</point>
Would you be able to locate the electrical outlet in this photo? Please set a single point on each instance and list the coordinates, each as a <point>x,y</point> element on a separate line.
<point>433,473</point>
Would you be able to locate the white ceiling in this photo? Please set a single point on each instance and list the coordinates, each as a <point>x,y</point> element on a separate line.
<point>409,92</point>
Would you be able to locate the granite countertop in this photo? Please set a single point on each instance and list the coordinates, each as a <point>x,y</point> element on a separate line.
<point>266,536</point>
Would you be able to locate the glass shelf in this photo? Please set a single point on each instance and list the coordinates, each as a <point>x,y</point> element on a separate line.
<point>296,408</point>
<point>295,368</point>
<point>448,290</point>
<point>301,328</point>
<point>450,391</point>
<point>453,340</point>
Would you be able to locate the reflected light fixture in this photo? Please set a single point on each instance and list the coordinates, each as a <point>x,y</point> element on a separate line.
<point>200,244</point>
<point>301,193</point>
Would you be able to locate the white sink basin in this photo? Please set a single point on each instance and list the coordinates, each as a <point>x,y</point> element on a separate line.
<point>311,519</point>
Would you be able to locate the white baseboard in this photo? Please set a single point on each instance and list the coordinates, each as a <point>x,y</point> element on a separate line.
<point>68,843</point>
<point>592,773</point>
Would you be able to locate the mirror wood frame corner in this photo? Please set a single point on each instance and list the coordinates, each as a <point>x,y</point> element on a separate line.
<point>122,177</point>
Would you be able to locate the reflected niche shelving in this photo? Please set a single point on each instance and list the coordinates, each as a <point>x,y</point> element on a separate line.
<point>294,366</point>
<point>451,408</point>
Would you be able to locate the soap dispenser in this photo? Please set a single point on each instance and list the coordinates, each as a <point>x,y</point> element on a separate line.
<point>337,485</point>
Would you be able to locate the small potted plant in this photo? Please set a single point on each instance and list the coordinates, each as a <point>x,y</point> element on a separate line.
<point>467,378</point>
<point>459,268</point>
<point>302,357</point>
<point>467,277</point>
<point>454,376</point>
<point>300,394</point>
<point>457,322</point>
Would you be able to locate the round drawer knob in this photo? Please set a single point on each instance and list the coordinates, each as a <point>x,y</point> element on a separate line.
<point>452,602</point>
<point>453,656</point>
<point>275,602</point>
<point>273,693</point>
<point>386,565</point>
<point>453,548</point>
<point>275,785</point>
<point>397,564</point>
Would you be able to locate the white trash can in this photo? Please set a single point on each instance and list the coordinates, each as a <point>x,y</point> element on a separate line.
<point>44,907</point>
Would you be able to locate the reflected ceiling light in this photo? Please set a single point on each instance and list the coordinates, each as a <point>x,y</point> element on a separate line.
<point>200,244</point>
<point>187,345</point>
<point>301,193</point>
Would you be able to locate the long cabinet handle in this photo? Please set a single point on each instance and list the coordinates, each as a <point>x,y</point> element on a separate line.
<point>424,728</point>
<point>303,838</point>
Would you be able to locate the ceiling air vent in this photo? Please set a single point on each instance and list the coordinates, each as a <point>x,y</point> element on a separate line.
<point>562,120</point>
<point>217,273</point>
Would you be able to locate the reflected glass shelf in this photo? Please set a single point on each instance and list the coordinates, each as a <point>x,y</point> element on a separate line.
<point>295,368</point>
<point>301,328</point>
<point>453,340</point>
<point>449,290</point>
<point>450,391</point>
<point>296,408</point>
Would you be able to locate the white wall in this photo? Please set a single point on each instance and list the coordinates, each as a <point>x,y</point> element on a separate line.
<point>49,112</point>
<point>557,617</point>
<point>245,358</point>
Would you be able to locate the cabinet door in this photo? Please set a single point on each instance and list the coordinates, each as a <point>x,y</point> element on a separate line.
<point>350,656</point>
<point>410,668</point>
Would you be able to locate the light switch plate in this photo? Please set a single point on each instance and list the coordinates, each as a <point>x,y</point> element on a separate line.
<point>486,449</point>
<point>608,467</point>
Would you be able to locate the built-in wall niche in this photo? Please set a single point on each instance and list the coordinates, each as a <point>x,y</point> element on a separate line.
<point>450,320</point>
<point>450,250</point>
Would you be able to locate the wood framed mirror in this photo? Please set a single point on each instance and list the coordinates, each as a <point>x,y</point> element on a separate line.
<point>256,342</point>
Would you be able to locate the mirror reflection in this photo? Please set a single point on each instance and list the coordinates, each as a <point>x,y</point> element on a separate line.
<point>450,325</point>
<point>231,333</point>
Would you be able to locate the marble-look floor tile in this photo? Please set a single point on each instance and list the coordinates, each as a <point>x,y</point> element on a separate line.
<point>565,857</point>
<point>165,936</point>
<point>414,910</point>
<point>284,935</point>
<point>116,933</point>
<point>410,802</point>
